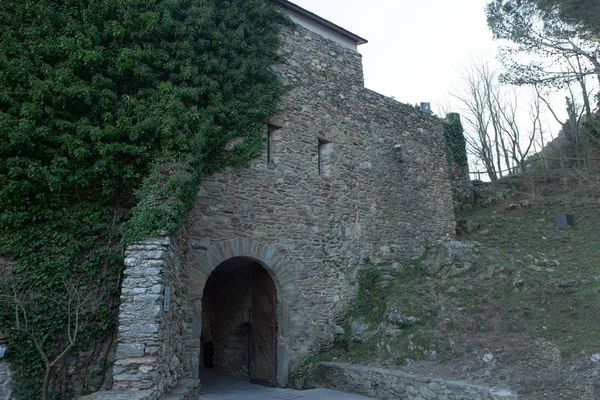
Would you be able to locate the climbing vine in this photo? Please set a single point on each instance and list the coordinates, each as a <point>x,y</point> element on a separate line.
<point>110,111</point>
<point>455,138</point>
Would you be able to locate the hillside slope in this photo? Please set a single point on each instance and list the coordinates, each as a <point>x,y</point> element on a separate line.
<point>516,304</point>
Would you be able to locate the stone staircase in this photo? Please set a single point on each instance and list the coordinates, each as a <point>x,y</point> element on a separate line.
<point>188,389</point>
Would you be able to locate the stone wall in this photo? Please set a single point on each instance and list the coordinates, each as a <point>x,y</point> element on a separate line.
<point>393,384</point>
<point>5,380</point>
<point>464,195</point>
<point>150,338</point>
<point>374,203</point>
<point>311,228</point>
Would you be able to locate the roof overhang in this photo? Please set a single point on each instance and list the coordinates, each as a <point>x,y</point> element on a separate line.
<point>321,21</point>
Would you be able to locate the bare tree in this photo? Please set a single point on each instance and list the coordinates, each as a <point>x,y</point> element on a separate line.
<point>74,299</point>
<point>480,143</point>
<point>520,140</point>
<point>496,135</point>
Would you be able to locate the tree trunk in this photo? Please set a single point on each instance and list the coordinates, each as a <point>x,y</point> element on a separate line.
<point>46,382</point>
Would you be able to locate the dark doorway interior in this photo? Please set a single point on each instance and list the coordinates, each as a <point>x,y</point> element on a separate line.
<point>239,322</point>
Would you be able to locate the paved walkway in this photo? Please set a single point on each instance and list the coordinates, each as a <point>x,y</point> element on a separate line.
<point>219,386</point>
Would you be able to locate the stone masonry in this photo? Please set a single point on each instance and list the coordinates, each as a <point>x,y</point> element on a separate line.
<point>393,384</point>
<point>373,203</point>
<point>5,380</point>
<point>355,178</point>
<point>150,349</point>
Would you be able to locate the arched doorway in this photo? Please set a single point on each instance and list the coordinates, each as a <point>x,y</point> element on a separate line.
<point>239,321</point>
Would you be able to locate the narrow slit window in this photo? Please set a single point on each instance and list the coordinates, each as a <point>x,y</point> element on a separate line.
<point>273,137</point>
<point>270,140</point>
<point>325,157</point>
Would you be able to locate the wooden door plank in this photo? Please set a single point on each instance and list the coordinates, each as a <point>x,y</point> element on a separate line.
<point>263,337</point>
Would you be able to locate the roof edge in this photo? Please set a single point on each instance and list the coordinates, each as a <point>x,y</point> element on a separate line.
<point>321,21</point>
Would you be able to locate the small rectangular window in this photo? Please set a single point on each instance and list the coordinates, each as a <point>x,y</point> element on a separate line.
<point>270,141</point>
<point>325,157</point>
<point>273,138</point>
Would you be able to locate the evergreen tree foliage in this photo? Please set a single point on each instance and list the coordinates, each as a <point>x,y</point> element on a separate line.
<point>547,47</point>
<point>110,110</point>
<point>582,13</point>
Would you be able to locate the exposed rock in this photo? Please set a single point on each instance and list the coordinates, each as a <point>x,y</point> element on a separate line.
<point>489,201</point>
<point>570,283</point>
<point>518,280</point>
<point>465,226</point>
<point>518,205</point>
<point>452,290</point>
<point>452,258</point>
<point>394,315</point>
<point>359,331</point>
<point>5,380</point>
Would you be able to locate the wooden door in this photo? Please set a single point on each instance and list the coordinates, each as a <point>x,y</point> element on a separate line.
<point>263,334</point>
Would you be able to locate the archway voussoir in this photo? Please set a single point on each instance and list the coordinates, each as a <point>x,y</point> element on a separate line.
<point>228,250</point>
<point>199,271</point>
<point>285,273</point>
<point>204,262</point>
<point>255,250</point>
<point>237,247</point>
<point>218,255</point>
<point>272,259</point>
<point>247,247</point>
<point>264,252</point>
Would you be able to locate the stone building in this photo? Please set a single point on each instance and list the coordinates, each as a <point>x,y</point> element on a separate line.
<point>267,264</point>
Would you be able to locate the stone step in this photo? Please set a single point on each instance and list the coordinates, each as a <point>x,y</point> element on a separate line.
<point>120,395</point>
<point>188,389</point>
<point>385,383</point>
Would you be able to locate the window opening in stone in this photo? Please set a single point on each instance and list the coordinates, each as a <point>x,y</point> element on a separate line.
<point>325,157</point>
<point>270,147</point>
<point>239,322</point>
<point>273,137</point>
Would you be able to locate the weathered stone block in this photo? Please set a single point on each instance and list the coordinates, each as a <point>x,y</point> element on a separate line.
<point>130,350</point>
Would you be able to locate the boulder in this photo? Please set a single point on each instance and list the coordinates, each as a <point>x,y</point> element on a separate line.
<point>451,257</point>
<point>465,226</point>
<point>394,315</point>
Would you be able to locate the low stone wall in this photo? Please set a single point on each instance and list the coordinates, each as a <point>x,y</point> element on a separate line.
<point>149,350</point>
<point>5,380</point>
<point>393,384</point>
<point>121,395</point>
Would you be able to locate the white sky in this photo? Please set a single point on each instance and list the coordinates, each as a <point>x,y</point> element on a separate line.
<point>416,49</point>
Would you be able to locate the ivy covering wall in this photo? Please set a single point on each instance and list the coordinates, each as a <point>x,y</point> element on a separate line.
<point>455,139</point>
<point>110,110</point>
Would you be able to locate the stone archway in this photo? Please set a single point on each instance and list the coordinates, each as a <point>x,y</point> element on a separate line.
<point>291,321</point>
<point>239,322</point>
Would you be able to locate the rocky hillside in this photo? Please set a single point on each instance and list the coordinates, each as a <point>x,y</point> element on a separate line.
<point>514,302</point>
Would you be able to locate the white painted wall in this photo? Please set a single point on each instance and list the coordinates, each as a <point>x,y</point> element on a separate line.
<point>321,30</point>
